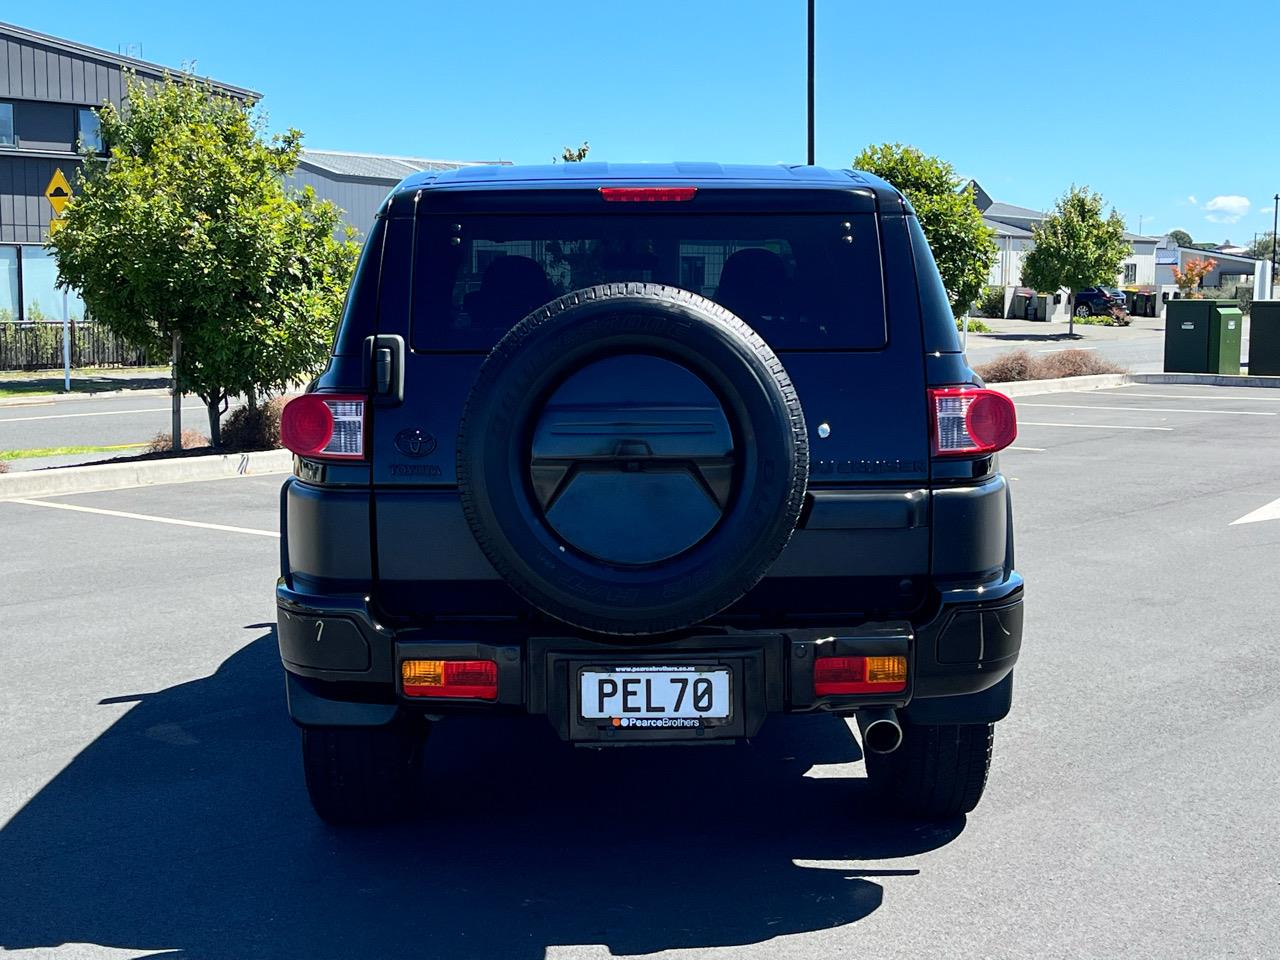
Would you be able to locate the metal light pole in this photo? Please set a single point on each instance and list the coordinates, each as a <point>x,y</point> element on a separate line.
<point>811,160</point>
<point>1275,218</point>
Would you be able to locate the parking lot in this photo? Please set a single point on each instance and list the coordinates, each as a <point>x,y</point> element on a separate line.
<point>152,801</point>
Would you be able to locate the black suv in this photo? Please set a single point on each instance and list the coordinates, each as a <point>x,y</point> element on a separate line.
<point>1098,301</point>
<point>653,451</point>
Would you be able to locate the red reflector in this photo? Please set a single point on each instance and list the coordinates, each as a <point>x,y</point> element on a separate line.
<point>836,675</point>
<point>306,424</point>
<point>324,425</point>
<point>471,679</point>
<point>968,421</point>
<point>646,194</point>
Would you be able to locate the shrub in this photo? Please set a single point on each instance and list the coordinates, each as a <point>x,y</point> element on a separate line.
<point>4,467</point>
<point>1015,365</point>
<point>991,302</point>
<point>1073,363</point>
<point>254,428</point>
<point>975,325</point>
<point>1020,365</point>
<point>163,442</point>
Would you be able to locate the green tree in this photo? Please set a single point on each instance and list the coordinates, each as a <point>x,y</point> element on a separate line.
<point>962,244</point>
<point>574,154</point>
<point>1075,247</point>
<point>1180,237</point>
<point>187,239</point>
<point>1261,247</point>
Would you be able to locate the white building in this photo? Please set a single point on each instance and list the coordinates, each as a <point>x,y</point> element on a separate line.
<point>1231,267</point>
<point>1013,224</point>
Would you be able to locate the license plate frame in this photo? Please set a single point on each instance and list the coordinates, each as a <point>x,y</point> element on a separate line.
<point>643,720</point>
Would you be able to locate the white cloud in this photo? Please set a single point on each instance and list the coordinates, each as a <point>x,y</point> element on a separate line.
<point>1191,199</point>
<point>1227,208</point>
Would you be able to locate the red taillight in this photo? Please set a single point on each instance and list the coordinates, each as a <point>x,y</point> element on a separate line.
<point>968,421</point>
<point>646,194</point>
<point>470,679</point>
<point>837,675</point>
<point>324,425</point>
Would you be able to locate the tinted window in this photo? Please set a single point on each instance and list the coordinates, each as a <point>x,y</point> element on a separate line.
<point>803,282</point>
<point>359,313</point>
<point>935,304</point>
<point>6,124</point>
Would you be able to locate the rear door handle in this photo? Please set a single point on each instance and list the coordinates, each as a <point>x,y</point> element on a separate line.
<point>384,361</point>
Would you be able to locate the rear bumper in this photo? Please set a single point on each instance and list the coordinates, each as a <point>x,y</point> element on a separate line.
<point>342,666</point>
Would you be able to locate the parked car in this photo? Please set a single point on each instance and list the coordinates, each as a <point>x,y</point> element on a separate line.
<point>655,452</point>
<point>1099,302</point>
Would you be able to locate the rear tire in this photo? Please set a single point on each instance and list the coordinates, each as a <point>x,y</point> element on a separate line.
<point>938,773</point>
<point>1084,310</point>
<point>364,775</point>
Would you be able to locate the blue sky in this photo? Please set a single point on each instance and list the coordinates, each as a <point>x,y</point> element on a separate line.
<point>1141,101</point>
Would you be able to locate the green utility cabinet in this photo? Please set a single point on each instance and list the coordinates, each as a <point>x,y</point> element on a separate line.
<point>1264,338</point>
<point>1202,336</point>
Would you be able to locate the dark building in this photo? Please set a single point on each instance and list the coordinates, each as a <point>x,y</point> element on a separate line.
<point>48,89</point>
<point>357,183</point>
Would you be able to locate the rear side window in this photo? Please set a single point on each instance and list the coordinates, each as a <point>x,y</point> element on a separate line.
<point>803,282</point>
<point>935,304</point>
<point>359,312</point>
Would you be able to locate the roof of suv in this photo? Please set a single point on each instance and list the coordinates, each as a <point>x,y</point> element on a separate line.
<point>589,174</point>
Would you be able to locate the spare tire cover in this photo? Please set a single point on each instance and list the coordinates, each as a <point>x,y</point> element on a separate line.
<point>632,458</point>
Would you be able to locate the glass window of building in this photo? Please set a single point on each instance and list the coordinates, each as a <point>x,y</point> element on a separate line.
<point>6,125</point>
<point>8,284</point>
<point>42,300</point>
<point>90,135</point>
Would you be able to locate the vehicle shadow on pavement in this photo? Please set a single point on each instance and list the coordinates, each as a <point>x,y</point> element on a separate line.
<point>1020,337</point>
<point>185,828</point>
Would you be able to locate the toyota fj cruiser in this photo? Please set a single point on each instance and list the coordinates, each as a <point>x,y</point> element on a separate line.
<point>655,452</point>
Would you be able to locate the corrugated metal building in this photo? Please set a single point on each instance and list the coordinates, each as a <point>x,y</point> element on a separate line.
<point>357,183</point>
<point>48,89</point>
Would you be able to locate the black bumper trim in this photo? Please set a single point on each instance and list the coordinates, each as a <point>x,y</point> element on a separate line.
<point>773,663</point>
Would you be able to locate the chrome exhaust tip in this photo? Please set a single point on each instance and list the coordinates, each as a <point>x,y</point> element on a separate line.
<point>881,732</point>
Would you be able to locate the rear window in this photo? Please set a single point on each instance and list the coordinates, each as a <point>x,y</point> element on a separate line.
<point>803,282</point>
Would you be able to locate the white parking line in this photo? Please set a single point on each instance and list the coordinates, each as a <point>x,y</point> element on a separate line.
<point>1270,511</point>
<point>98,413</point>
<point>1092,406</point>
<point>1087,426</point>
<point>1201,396</point>
<point>1064,349</point>
<point>1029,449</point>
<point>144,516</point>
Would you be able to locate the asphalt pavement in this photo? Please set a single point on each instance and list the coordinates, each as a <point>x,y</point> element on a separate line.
<point>98,421</point>
<point>152,802</point>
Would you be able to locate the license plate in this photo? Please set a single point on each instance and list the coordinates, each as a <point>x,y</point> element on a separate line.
<point>651,696</point>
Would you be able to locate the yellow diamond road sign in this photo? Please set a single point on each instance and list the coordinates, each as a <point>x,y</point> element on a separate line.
<point>58,192</point>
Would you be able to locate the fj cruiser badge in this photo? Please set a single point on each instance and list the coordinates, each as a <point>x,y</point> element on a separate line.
<point>415,443</point>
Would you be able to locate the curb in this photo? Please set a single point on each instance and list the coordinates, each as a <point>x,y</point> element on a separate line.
<point>1022,388</point>
<point>115,476</point>
<point>1206,379</point>
<point>32,399</point>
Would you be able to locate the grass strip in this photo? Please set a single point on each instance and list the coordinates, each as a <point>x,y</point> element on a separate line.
<point>32,452</point>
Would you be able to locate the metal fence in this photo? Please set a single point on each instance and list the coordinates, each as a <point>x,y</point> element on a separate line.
<point>37,345</point>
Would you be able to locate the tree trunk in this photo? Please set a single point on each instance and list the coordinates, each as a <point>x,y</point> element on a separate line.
<point>251,398</point>
<point>176,425</point>
<point>214,407</point>
<point>1071,313</point>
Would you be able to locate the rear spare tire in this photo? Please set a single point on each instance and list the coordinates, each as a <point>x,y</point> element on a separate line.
<point>632,458</point>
